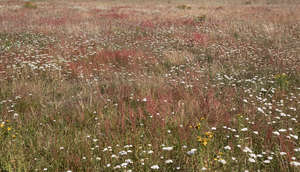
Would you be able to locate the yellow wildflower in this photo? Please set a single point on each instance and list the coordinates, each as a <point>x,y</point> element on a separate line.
<point>209,134</point>
<point>198,126</point>
<point>199,138</point>
<point>1,125</point>
<point>8,128</point>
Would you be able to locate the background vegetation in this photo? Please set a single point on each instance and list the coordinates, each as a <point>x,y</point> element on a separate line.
<point>145,86</point>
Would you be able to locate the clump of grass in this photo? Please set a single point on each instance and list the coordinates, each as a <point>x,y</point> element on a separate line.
<point>282,81</point>
<point>248,2</point>
<point>184,7</point>
<point>30,5</point>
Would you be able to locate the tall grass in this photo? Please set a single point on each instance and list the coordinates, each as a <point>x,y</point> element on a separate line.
<point>101,89</point>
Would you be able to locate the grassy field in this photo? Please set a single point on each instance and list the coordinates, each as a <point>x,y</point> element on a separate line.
<point>208,85</point>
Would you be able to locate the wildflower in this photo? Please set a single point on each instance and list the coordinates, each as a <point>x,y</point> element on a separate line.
<point>276,133</point>
<point>263,90</point>
<point>124,165</point>
<point>198,126</point>
<point>192,151</point>
<point>129,161</point>
<point>260,110</point>
<point>283,114</point>
<point>282,153</point>
<point>199,138</point>
<point>204,141</point>
<point>122,153</point>
<point>169,161</point>
<point>222,161</point>
<point>246,149</point>
<point>251,160</point>
<point>209,134</point>
<point>150,152</point>
<point>267,161</point>
<point>295,163</point>
<point>294,136</point>
<point>114,156</point>
<point>233,130</point>
<point>282,130</point>
<point>203,169</point>
<point>2,125</point>
<point>116,167</point>
<point>227,147</point>
<point>167,148</point>
<point>155,167</point>
<point>8,128</point>
<point>244,129</point>
<point>128,146</point>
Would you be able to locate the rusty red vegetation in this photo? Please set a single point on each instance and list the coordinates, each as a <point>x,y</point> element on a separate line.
<point>102,59</point>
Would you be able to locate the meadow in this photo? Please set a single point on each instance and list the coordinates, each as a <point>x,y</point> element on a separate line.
<point>132,85</point>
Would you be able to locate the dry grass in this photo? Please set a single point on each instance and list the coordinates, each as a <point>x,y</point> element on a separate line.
<point>145,86</point>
